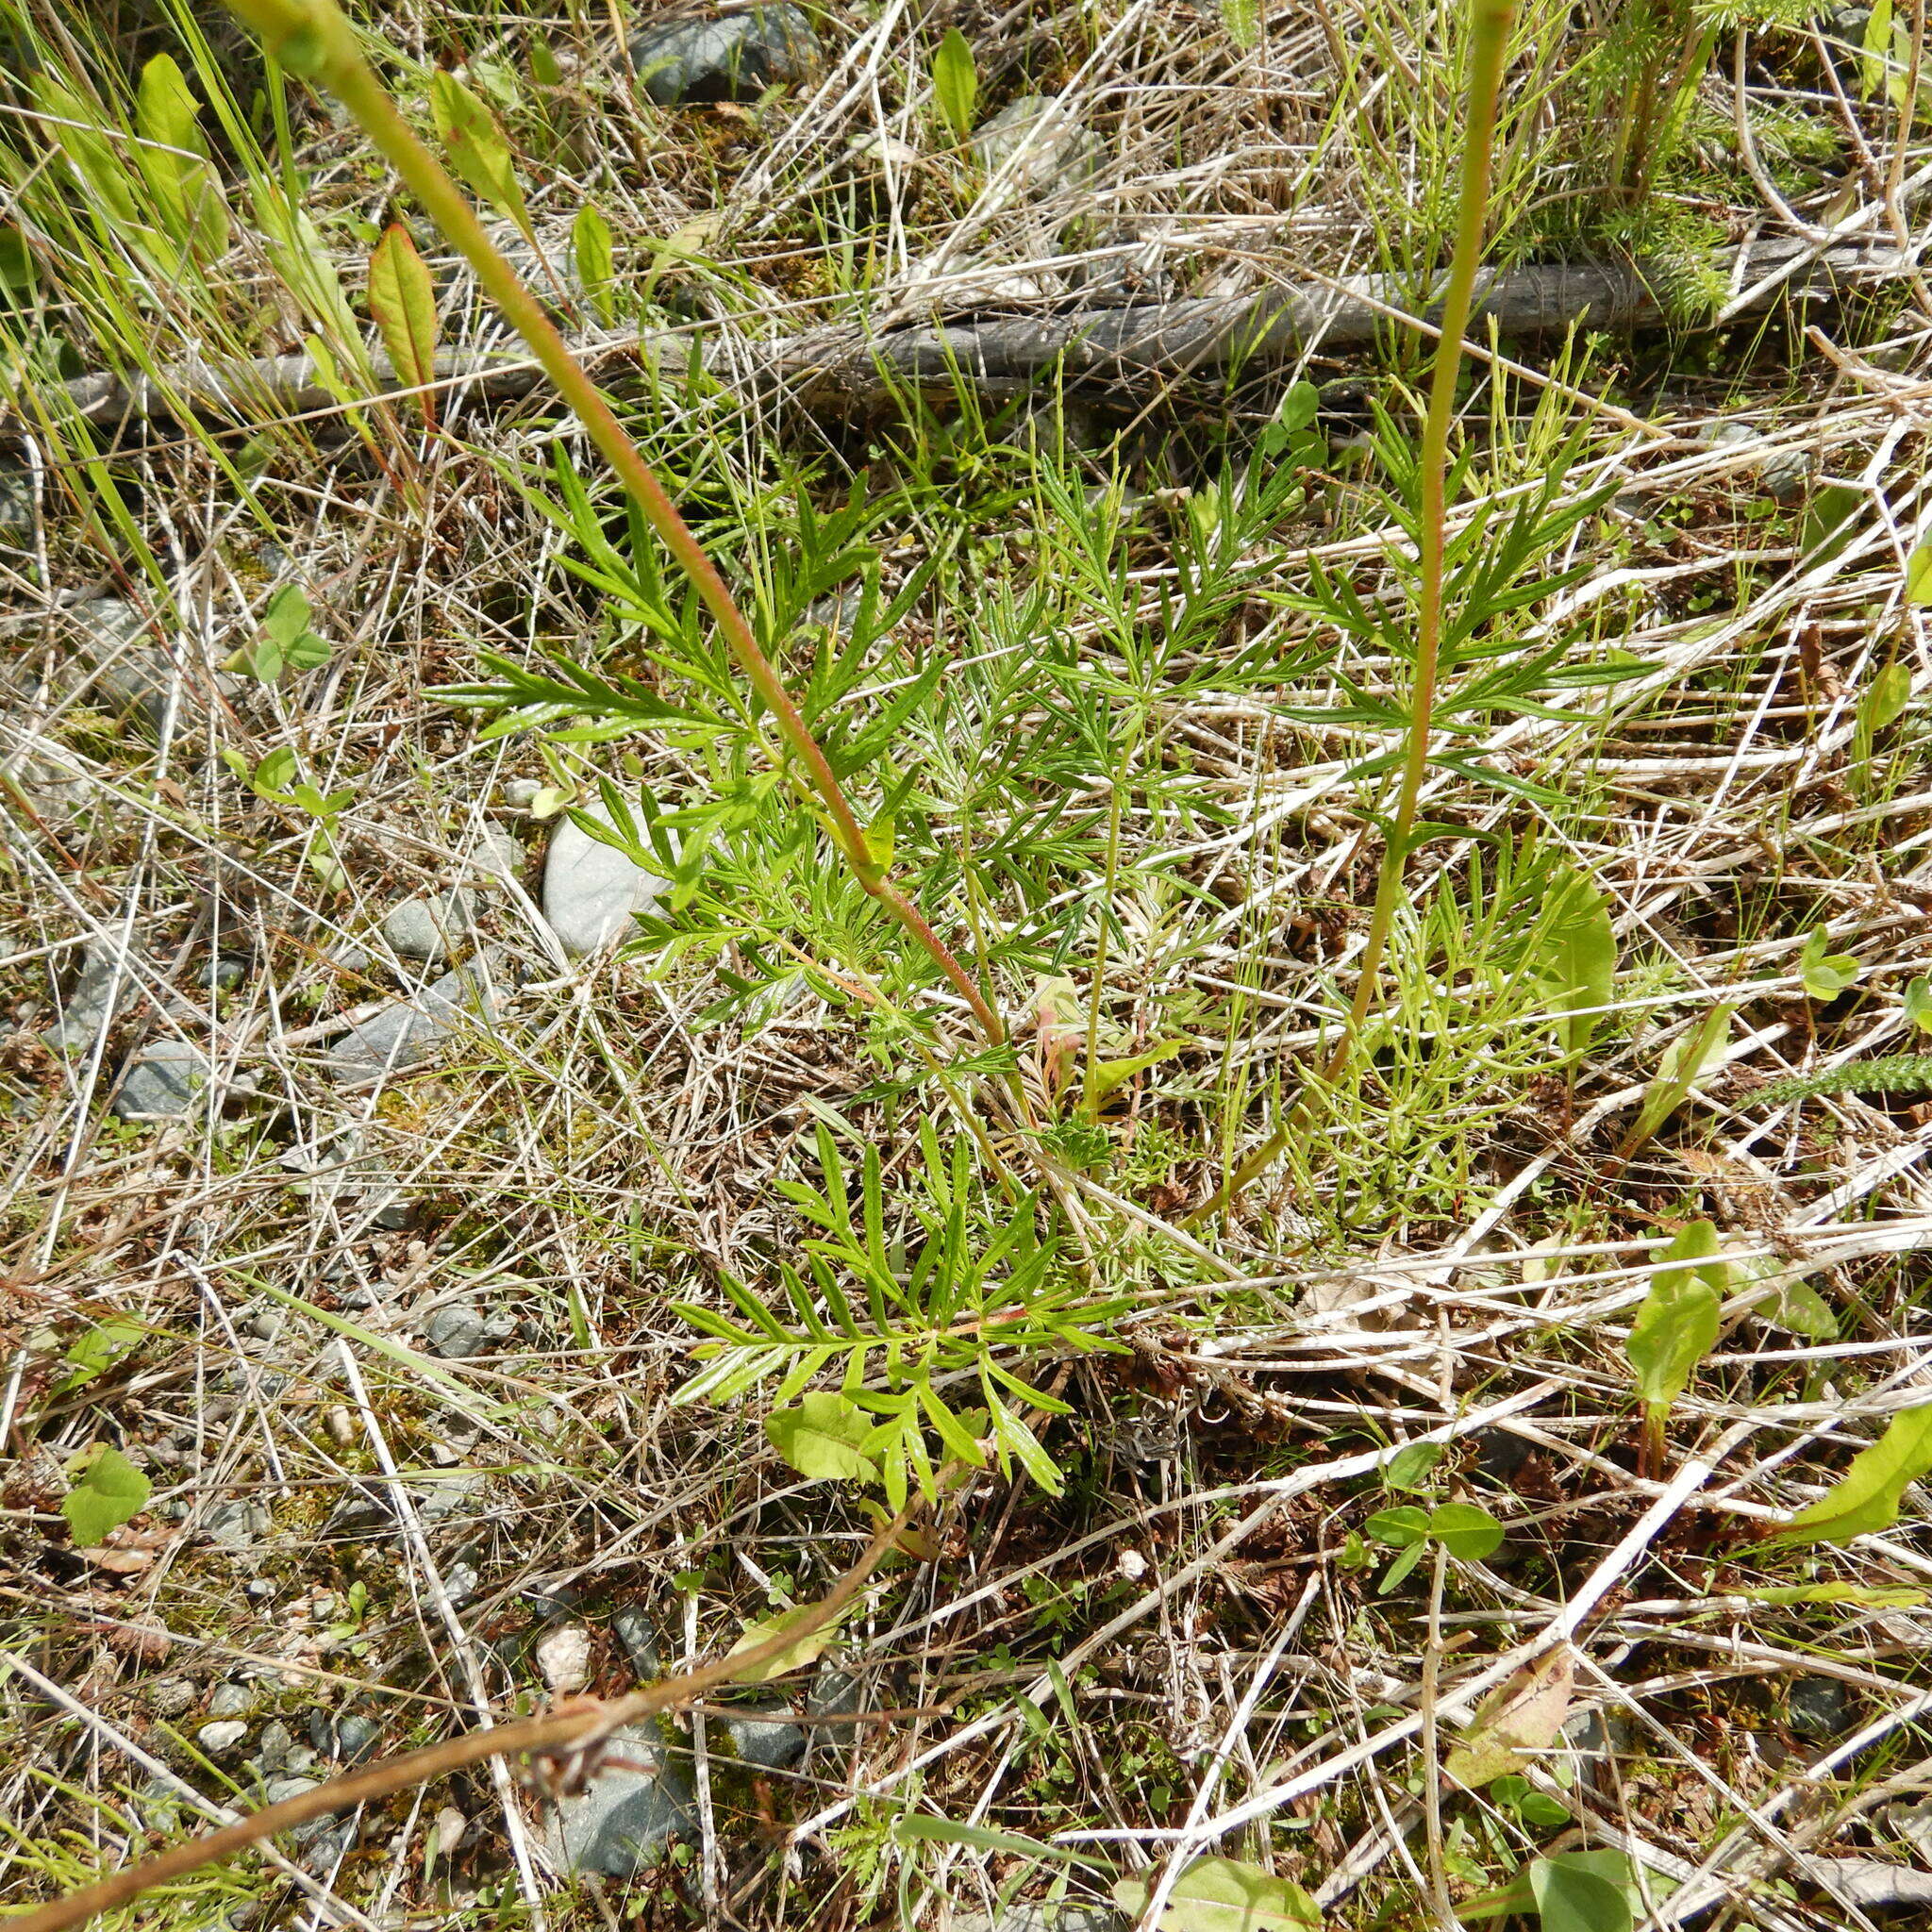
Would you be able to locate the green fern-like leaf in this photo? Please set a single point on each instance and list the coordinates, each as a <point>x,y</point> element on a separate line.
<point>1899,1072</point>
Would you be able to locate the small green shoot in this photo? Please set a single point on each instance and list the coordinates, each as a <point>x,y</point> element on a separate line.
<point>1826,974</point>
<point>1466,1530</point>
<point>595,259</point>
<point>956,82</point>
<point>1918,1004</point>
<point>1689,1057</point>
<point>476,146</point>
<point>286,641</point>
<point>1676,1326</point>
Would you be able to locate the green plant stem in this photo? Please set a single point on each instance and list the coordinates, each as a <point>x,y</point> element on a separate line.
<point>1488,48</point>
<point>312,38</point>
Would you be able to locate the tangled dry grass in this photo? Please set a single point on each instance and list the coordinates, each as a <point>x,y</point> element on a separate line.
<point>400,1351</point>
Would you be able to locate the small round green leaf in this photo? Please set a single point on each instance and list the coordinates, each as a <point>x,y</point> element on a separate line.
<point>1465,1531</point>
<point>1399,1527</point>
<point>109,1491</point>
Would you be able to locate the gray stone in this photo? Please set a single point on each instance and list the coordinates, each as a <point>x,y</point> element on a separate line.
<point>162,1082</point>
<point>218,1738</point>
<point>170,1697</point>
<point>622,1818</point>
<point>590,889</point>
<point>237,1526</point>
<point>227,970</point>
<point>426,928</point>
<point>275,1748</point>
<point>230,1700</point>
<point>1050,151</point>
<point>767,1746</point>
<point>20,509</point>
<point>1786,474</point>
<point>632,1629</point>
<point>455,1333</point>
<point>440,1498</point>
<point>91,1008</point>
<point>349,1738</point>
<point>407,1032</point>
<point>160,1804</point>
<point>1821,1709</point>
<point>1783,474</point>
<point>319,1842</point>
<point>731,59</point>
<point>495,854</point>
<point>131,676</point>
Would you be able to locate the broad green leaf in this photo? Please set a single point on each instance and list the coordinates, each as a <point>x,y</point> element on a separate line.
<point>107,1492</point>
<point>1874,46</point>
<point>1301,403</point>
<point>1576,955</point>
<point>596,258</point>
<point>1466,1531</point>
<point>1825,974</point>
<point>1867,1496</point>
<point>402,298</point>
<point>956,82</point>
<point>545,69</point>
<point>96,1350</point>
<point>477,148</point>
<point>1918,1004</point>
<point>1223,1896</point>
<point>1919,575</point>
<point>1399,1527</point>
<point>1885,700</point>
<point>1828,523</point>
<point>1582,1891</point>
<point>1680,1317</point>
<point>1522,1715</point>
<point>1882,702</point>
<point>807,1650</point>
<point>1698,1052</point>
<point>1392,1578</point>
<point>173,158</point>
<point>1790,1300</point>
<point>820,1438</point>
<point>1410,1467</point>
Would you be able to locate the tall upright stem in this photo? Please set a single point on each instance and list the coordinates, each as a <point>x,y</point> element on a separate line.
<point>1489,46</point>
<point>312,38</point>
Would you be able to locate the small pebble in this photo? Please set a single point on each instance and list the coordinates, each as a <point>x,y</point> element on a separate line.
<point>230,1700</point>
<point>455,1333</point>
<point>563,1657</point>
<point>170,1697</point>
<point>216,1739</point>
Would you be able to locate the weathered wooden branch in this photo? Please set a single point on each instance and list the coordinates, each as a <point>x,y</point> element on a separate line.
<point>1128,346</point>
